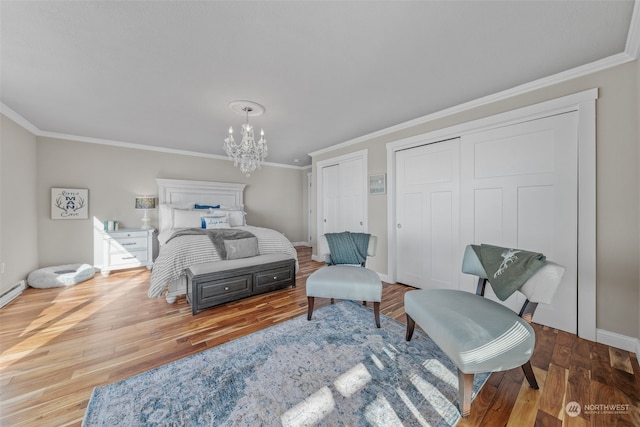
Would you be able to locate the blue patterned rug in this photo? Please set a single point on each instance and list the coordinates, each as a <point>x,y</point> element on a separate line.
<point>337,369</point>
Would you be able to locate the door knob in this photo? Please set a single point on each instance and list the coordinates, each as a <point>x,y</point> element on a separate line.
<point>399,225</point>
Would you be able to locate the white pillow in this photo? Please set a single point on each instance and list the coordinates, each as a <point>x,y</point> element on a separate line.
<point>215,221</point>
<point>236,218</point>
<point>166,217</point>
<point>183,218</point>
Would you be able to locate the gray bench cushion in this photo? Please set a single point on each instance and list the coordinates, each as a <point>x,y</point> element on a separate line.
<point>231,264</point>
<point>478,334</point>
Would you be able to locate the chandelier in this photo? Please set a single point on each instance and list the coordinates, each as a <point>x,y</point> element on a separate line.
<point>248,154</point>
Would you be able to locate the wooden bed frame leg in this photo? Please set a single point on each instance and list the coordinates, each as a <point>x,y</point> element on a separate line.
<point>332,301</point>
<point>531,377</point>
<point>411,324</point>
<point>376,312</point>
<point>465,386</point>
<point>310,301</point>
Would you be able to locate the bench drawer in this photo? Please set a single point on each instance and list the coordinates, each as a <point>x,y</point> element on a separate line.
<point>223,290</point>
<point>272,279</point>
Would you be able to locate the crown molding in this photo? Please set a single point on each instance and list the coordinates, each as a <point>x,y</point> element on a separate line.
<point>8,112</point>
<point>603,64</point>
<point>631,53</point>
<point>632,48</point>
<point>11,114</point>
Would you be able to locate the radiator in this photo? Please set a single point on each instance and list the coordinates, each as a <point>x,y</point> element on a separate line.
<point>12,293</point>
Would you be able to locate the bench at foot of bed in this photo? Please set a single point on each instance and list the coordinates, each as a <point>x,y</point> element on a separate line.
<point>216,283</point>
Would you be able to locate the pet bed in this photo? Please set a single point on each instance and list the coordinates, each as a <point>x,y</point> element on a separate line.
<point>60,275</point>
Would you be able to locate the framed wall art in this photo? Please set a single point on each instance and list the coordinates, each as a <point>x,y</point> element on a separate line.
<point>69,203</point>
<point>378,183</point>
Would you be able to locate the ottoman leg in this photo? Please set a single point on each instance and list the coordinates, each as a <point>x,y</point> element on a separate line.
<point>411,325</point>
<point>528,373</point>
<point>465,385</point>
<point>310,301</point>
<point>376,312</point>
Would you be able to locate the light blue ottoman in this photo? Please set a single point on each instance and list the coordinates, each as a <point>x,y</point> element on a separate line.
<point>345,282</point>
<point>476,333</point>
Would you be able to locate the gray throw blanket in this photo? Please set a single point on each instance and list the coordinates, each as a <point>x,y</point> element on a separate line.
<point>217,236</point>
<point>508,269</point>
<point>347,247</point>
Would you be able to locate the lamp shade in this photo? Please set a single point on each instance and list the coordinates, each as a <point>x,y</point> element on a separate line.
<point>145,202</point>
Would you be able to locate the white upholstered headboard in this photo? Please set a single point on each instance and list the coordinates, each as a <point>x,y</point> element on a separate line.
<point>184,192</point>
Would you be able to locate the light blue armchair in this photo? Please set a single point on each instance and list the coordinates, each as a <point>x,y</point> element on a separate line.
<point>351,282</point>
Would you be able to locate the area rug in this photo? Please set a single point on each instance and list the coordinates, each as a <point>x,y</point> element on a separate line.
<point>337,369</point>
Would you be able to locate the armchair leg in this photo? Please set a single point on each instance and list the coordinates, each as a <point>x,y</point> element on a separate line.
<point>528,373</point>
<point>465,386</point>
<point>411,325</point>
<point>376,312</point>
<point>310,301</point>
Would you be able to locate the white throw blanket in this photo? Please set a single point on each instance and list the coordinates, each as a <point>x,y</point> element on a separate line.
<point>182,252</point>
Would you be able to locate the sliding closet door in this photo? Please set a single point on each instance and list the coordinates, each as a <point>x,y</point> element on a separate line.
<point>427,181</point>
<point>519,189</point>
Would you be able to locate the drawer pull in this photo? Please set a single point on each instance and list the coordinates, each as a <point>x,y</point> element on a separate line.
<point>128,257</point>
<point>226,288</point>
<point>128,244</point>
<point>275,277</point>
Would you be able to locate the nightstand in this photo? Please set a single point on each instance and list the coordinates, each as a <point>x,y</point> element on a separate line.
<point>125,248</point>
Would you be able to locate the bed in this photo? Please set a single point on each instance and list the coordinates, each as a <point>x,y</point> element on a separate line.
<point>176,200</point>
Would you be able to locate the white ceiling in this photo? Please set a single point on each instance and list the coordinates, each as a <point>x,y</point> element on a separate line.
<point>163,73</point>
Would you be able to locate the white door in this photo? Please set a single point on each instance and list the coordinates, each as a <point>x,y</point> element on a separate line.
<point>330,199</point>
<point>343,192</point>
<point>427,181</point>
<point>351,196</point>
<point>519,189</point>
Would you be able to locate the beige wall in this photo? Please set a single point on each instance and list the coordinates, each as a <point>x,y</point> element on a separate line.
<point>18,205</point>
<point>114,176</point>
<point>638,146</point>
<point>618,185</point>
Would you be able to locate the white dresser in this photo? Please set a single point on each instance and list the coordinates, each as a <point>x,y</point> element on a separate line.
<point>125,248</point>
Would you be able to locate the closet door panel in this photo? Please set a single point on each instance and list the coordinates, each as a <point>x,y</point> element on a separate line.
<point>427,215</point>
<point>519,187</point>
<point>343,200</point>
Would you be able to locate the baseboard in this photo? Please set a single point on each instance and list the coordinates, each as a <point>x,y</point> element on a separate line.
<point>317,258</point>
<point>12,293</point>
<point>614,339</point>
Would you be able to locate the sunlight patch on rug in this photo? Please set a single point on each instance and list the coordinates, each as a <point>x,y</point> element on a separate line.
<point>337,369</point>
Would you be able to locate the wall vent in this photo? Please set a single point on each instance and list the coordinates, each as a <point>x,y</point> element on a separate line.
<point>12,293</point>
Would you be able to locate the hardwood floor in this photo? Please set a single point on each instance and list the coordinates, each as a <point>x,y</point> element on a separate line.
<point>56,345</point>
